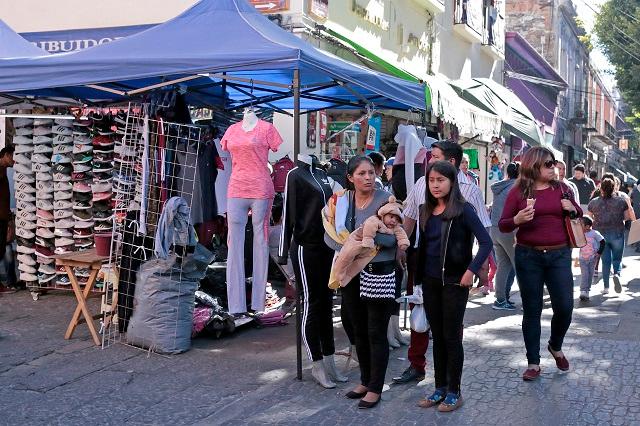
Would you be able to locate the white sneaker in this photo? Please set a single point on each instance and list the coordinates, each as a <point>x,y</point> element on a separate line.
<point>26,207</point>
<point>42,140</point>
<point>62,214</point>
<point>63,205</point>
<point>22,140</point>
<point>62,130</point>
<point>24,233</point>
<point>65,223</point>
<point>44,176</point>
<point>25,196</point>
<point>44,186</point>
<point>25,188</point>
<point>47,269</point>
<point>22,122</point>
<point>64,122</point>
<point>27,277</point>
<point>62,140</point>
<point>605,291</point>
<point>25,224</point>
<point>63,232</point>
<point>23,267</point>
<point>45,223</point>
<point>26,259</point>
<point>44,204</point>
<point>24,131</point>
<point>63,149</point>
<point>84,225</point>
<point>43,121</point>
<point>22,159</point>
<point>25,250</point>
<point>81,149</point>
<point>42,149</point>
<point>63,195</point>
<point>21,177</point>
<point>63,241</point>
<point>61,159</point>
<point>101,187</point>
<point>40,168</point>
<point>23,149</point>
<point>41,158</point>
<point>19,168</point>
<point>44,233</point>
<point>26,214</point>
<point>63,186</point>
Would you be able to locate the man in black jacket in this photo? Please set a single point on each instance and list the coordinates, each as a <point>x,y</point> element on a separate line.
<point>585,185</point>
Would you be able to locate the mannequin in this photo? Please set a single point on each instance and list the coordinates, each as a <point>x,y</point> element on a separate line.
<point>410,152</point>
<point>307,190</point>
<point>250,190</point>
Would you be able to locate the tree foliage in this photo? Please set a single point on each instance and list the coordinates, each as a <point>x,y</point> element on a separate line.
<point>618,29</point>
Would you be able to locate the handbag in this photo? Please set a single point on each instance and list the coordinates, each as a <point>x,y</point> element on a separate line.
<point>573,225</point>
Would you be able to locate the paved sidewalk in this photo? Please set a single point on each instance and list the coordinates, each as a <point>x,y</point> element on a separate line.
<point>249,378</point>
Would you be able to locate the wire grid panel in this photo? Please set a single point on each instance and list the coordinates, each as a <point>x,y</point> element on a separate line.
<point>164,164</point>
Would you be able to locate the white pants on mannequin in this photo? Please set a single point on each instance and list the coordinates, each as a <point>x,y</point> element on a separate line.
<point>237,213</point>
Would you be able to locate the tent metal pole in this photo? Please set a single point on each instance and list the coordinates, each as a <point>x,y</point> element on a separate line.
<point>296,151</point>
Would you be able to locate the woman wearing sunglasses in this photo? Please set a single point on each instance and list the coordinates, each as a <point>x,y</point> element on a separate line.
<point>446,267</point>
<point>536,207</point>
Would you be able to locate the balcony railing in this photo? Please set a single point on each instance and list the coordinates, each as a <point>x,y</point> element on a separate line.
<point>469,13</point>
<point>494,28</point>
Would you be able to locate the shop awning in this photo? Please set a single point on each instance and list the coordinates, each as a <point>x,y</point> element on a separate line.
<point>469,119</point>
<point>214,42</point>
<point>497,99</point>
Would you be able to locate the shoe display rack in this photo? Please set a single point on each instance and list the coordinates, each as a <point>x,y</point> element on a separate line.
<point>154,161</point>
<point>62,180</point>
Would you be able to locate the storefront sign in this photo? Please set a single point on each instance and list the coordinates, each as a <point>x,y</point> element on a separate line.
<point>375,17</point>
<point>312,130</point>
<point>319,9</point>
<point>270,6</point>
<point>336,126</point>
<point>71,40</point>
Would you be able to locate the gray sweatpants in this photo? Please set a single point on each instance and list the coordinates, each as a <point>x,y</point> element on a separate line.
<point>587,268</point>
<point>237,213</point>
<point>505,260</point>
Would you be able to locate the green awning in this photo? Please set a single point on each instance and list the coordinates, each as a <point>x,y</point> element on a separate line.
<point>497,99</point>
<point>381,63</point>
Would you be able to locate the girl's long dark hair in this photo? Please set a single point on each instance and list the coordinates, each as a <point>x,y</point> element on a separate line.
<point>454,201</point>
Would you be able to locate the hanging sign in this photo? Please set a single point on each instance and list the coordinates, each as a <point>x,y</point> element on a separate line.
<point>336,126</point>
<point>311,130</point>
<point>319,9</point>
<point>373,134</point>
<point>322,122</point>
<point>270,6</point>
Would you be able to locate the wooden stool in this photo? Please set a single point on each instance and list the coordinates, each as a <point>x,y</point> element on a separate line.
<point>89,260</point>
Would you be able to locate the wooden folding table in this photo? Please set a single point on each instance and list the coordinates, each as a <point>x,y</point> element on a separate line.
<point>88,259</point>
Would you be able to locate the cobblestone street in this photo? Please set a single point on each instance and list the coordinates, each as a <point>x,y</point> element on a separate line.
<point>249,378</point>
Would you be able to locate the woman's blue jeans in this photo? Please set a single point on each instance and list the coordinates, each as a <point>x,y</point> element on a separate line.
<point>612,255</point>
<point>534,269</point>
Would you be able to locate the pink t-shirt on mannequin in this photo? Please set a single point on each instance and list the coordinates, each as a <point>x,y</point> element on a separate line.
<point>250,177</point>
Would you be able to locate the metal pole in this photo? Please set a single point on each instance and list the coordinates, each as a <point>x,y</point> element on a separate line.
<point>296,151</point>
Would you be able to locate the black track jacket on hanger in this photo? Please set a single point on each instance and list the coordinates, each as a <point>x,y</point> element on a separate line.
<point>306,193</point>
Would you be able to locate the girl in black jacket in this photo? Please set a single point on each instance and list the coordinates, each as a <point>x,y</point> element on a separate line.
<point>446,267</point>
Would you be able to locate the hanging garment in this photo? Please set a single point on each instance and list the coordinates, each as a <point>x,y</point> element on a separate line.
<point>337,170</point>
<point>280,170</point>
<point>186,183</point>
<point>223,163</point>
<point>410,152</point>
<point>174,227</point>
<point>208,174</point>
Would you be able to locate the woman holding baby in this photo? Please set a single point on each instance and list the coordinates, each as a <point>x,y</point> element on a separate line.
<point>536,207</point>
<point>368,300</point>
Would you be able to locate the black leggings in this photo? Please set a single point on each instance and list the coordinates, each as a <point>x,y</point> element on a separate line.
<point>445,306</point>
<point>369,319</point>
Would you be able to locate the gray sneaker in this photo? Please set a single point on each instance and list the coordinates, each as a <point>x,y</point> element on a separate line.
<point>616,283</point>
<point>503,306</point>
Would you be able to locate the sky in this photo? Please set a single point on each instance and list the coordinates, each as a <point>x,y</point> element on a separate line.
<point>588,16</point>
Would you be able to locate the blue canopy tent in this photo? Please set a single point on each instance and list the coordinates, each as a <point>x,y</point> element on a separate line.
<point>224,44</point>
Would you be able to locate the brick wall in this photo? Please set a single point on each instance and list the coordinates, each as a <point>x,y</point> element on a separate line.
<point>534,20</point>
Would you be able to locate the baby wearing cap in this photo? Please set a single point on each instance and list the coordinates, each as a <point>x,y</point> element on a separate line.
<point>360,245</point>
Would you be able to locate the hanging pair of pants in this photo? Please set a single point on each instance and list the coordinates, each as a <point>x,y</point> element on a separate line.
<point>505,260</point>
<point>534,269</point>
<point>370,319</point>
<point>312,265</point>
<point>237,213</point>
<point>612,255</point>
<point>445,306</point>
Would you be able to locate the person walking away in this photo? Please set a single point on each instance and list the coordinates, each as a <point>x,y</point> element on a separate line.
<point>503,242</point>
<point>585,185</point>
<point>561,167</point>
<point>6,161</point>
<point>536,207</point>
<point>589,256</point>
<point>453,153</point>
<point>369,316</point>
<point>446,267</point>
<point>593,175</point>
<point>609,213</point>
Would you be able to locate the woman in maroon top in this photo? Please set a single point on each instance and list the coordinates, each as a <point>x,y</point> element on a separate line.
<point>536,207</point>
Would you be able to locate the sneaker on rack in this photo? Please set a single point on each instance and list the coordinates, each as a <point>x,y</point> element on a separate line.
<point>100,176</point>
<point>26,242</point>
<point>64,241</point>
<point>65,122</point>
<point>26,206</point>
<point>26,259</point>
<point>44,233</point>
<point>45,278</point>
<point>65,223</point>
<point>62,130</point>
<point>44,186</point>
<point>43,122</point>
<point>59,140</point>
<point>44,223</point>
<point>42,140</point>
<point>84,244</point>
<point>47,269</point>
<point>24,159</point>
<point>82,149</point>
<point>25,250</point>
<point>82,158</point>
<point>22,140</point>
<point>24,131</point>
<point>79,168</point>
<point>65,169</point>
<point>42,131</point>
<point>61,177</point>
<point>42,149</point>
<point>24,233</point>
<point>44,176</point>
<point>26,188</point>
<point>63,232</point>
<point>22,267</point>
<point>103,227</point>
<point>84,224</point>
<point>102,196</point>
<point>82,233</point>
<point>22,122</point>
<point>81,187</point>
<point>103,157</point>
<point>23,178</point>
<point>79,123</point>
<point>25,224</point>
<point>28,215</point>
<point>44,252</point>
<point>40,158</point>
<point>63,186</point>
<point>19,168</point>
<point>25,196</point>
<point>63,280</point>
<point>101,187</point>
<point>43,261</point>
<point>44,204</point>
<point>101,206</point>
<point>82,139</point>
<point>104,219</point>
<point>61,159</point>
<point>63,149</point>
<point>63,205</point>
<point>40,167</point>
<point>82,215</point>
<point>63,195</point>
<point>28,278</point>
<point>23,149</point>
<point>45,242</point>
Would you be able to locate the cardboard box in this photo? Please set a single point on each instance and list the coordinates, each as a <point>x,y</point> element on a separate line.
<point>634,233</point>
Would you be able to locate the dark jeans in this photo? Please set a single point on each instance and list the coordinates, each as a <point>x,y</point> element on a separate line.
<point>445,306</point>
<point>612,255</point>
<point>534,269</point>
<point>369,319</point>
<point>10,266</point>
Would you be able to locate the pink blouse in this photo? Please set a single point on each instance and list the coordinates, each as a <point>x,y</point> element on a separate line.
<point>249,150</point>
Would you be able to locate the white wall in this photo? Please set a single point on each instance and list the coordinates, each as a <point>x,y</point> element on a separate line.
<point>52,15</point>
